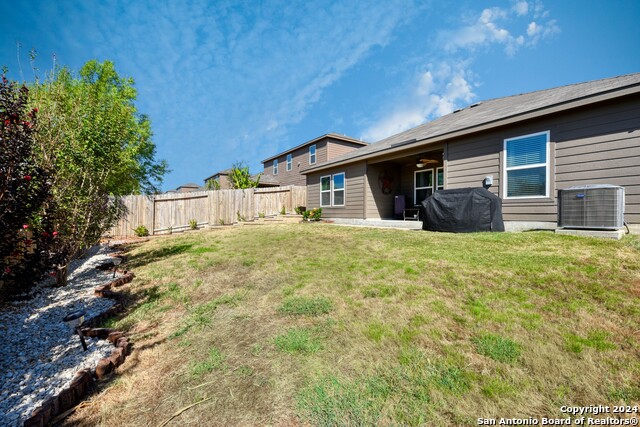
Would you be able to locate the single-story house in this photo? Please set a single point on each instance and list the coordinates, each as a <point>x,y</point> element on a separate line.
<point>524,148</point>
<point>285,167</point>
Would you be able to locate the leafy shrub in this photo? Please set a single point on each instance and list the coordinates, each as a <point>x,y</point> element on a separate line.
<point>193,224</point>
<point>313,215</point>
<point>141,231</point>
<point>240,178</point>
<point>283,211</point>
<point>300,210</point>
<point>25,235</point>
<point>98,148</point>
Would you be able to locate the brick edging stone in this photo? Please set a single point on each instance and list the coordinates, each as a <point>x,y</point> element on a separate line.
<point>84,380</point>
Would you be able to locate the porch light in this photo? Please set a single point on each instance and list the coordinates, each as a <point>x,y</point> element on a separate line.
<point>74,321</point>
<point>419,165</point>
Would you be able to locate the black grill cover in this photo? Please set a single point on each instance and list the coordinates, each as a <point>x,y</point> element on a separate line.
<point>462,210</point>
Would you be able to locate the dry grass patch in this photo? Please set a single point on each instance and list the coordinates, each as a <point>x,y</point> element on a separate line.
<point>324,325</point>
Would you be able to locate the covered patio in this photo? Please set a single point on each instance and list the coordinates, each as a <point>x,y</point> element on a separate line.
<point>395,186</point>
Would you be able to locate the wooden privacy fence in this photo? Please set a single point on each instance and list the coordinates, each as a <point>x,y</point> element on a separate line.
<point>163,213</point>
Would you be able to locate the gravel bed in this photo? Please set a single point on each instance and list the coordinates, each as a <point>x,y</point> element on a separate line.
<point>39,354</point>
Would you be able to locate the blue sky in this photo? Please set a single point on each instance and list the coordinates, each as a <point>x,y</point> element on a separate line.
<point>241,81</point>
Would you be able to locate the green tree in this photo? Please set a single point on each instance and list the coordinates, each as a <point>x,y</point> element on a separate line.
<point>240,177</point>
<point>99,148</point>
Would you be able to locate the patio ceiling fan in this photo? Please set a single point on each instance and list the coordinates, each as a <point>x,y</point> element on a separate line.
<point>420,163</point>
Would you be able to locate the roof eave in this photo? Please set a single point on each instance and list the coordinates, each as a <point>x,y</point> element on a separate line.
<point>540,112</point>
<point>326,135</point>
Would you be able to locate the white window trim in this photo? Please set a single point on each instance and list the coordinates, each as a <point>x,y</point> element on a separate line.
<point>343,189</point>
<point>289,162</point>
<point>332,190</point>
<point>315,150</point>
<point>275,167</point>
<point>415,187</point>
<point>435,179</point>
<point>547,165</point>
<point>326,191</point>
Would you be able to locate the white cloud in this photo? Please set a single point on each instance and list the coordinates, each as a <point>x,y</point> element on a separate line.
<point>438,91</point>
<point>449,85</point>
<point>491,27</point>
<point>521,8</point>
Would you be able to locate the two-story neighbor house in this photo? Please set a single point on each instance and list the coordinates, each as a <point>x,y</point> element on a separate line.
<point>526,146</point>
<point>285,167</point>
<point>221,181</point>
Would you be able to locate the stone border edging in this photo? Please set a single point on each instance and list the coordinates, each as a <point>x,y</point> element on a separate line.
<point>84,380</point>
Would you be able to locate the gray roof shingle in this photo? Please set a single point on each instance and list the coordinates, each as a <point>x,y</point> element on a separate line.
<point>491,112</point>
<point>314,140</point>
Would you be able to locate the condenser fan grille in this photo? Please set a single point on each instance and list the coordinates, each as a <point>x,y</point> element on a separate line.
<point>591,206</point>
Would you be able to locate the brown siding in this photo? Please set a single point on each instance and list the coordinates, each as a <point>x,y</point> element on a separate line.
<point>300,162</point>
<point>379,205</point>
<point>223,180</point>
<point>326,149</point>
<point>593,145</point>
<point>355,190</point>
<point>603,147</point>
<point>337,148</point>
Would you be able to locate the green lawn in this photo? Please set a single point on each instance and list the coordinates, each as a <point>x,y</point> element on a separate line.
<point>314,324</point>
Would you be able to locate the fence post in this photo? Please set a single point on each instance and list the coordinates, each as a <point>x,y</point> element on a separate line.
<point>150,213</point>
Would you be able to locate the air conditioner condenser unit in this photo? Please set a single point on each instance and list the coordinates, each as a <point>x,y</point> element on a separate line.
<point>591,207</point>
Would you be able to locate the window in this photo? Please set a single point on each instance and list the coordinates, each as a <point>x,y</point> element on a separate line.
<point>289,162</point>
<point>423,185</point>
<point>527,166</point>
<point>439,179</point>
<point>337,198</point>
<point>312,154</point>
<point>325,191</point>
<point>275,167</point>
<point>332,190</point>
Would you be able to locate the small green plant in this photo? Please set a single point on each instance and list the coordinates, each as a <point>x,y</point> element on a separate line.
<point>170,230</point>
<point>379,291</point>
<point>375,331</point>
<point>300,209</point>
<point>214,361</point>
<point>141,231</point>
<point>597,340</point>
<point>241,218</point>
<point>261,215</point>
<point>498,348</point>
<point>283,211</point>
<point>193,224</point>
<point>313,215</point>
<point>303,306</point>
<point>221,221</point>
<point>297,340</point>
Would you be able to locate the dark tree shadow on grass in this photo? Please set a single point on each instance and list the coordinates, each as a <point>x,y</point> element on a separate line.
<point>157,255</point>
